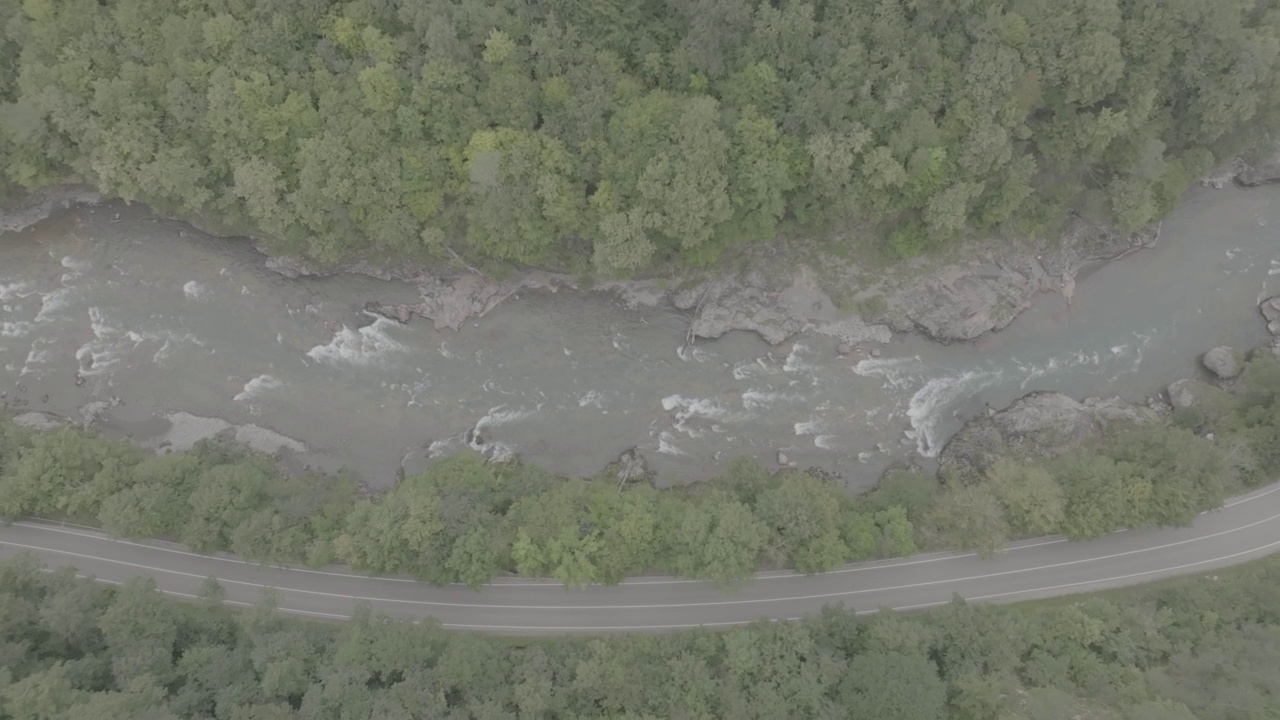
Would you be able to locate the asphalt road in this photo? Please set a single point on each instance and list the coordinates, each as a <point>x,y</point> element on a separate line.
<point>1246,528</point>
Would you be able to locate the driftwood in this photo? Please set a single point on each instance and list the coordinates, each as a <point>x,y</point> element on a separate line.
<point>689,335</point>
<point>458,259</point>
<point>1144,246</point>
<point>1069,282</point>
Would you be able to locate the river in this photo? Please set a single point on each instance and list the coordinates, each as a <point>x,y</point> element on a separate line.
<point>189,333</point>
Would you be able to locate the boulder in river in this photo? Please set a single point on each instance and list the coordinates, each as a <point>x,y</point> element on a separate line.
<point>493,451</point>
<point>500,453</point>
<point>1041,424</point>
<point>632,467</point>
<point>1274,347</point>
<point>289,266</point>
<point>91,412</point>
<point>39,421</point>
<point>32,209</point>
<point>731,302</point>
<point>400,313</point>
<point>1270,308</point>
<point>1271,311</point>
<point>775,308</point>
<point>1260,171</point>
<point>1187,393</point>
<point>1223,361</point>
<point>964,302</point>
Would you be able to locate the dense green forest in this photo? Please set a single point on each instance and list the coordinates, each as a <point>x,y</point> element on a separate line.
<point>616,134</point>
<point>466,521</point>
<point>1194,649</point>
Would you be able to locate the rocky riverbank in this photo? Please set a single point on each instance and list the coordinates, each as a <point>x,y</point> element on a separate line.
<point>1045,424</point>
<point>954,302</point>
<point>946,302</point>
<point>1270,309</point>
<point>42,204</point>
<point>1257,168</point>
<point>780,294</point>
<point>1038,425</point>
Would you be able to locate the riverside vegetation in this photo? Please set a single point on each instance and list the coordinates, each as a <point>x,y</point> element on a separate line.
<point>466,521</point>
<point>616,134</point>
<point>1189,649</point>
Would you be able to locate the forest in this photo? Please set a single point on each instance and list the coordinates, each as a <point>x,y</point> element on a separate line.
<point>466,521</point>
<point>1201,648</point>
<point>617,136</point>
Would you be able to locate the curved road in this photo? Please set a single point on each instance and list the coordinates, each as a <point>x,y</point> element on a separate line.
<point>1246,528</point>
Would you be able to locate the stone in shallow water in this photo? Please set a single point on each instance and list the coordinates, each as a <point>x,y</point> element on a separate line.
<point>1271,309</point>
<point>1186,393</point>
<point>1222,361</point>
<point>632,466</point>
<point>39,421</point>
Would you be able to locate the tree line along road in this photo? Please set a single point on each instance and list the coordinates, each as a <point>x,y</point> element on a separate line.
<point>1245,528</point>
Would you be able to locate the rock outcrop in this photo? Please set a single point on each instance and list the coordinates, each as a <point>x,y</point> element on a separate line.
<point>1225,174</point>
<point>493,451</point>
<point>1187,393</point>
<point>1042,424</point>
<point>1271,312</point>
<point>775,310</point>
<point>91,412</point>
<point>963,302</point>
<point>1258,168</point>
<point>42,204</point>
<point>953,302</point>
<point>1260,171</point>
<point>1274,347</point>
<point>631,467</point>
<point>730,302</point>
<point>450,302</point>
<point>1222,361</point>
<point>39,420</point>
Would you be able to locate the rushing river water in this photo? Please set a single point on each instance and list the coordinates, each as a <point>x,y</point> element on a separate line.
<point>186,327</point>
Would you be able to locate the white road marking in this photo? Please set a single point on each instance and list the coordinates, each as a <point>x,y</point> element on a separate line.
<point>189,596</point>
<point>920,606</point>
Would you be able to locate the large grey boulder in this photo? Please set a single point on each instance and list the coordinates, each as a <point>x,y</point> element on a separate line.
<point>1042,424</point>
<point>450,302</point>
<point>1187,393</point>
<point>964,301</point>
<point>1116,409</point>
<point>1273,347</point>
<point>39,205</point>
<point>632,467</point>
<point>39,420</point>
<point>1271,311</point>
<point>1223,361</point>
<point>1260,170</point>
<point>730,302</point>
